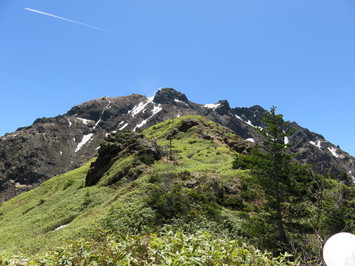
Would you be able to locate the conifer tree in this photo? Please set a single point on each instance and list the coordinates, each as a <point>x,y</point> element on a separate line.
<point>274,178</point>
<point>285,185</point>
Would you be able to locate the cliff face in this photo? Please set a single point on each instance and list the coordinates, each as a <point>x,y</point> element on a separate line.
<point>52,146</point>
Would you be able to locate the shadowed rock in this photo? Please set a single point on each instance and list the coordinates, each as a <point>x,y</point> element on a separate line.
<point>120,145</point>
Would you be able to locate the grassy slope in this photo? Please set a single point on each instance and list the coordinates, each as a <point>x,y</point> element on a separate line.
<point>28,222</point>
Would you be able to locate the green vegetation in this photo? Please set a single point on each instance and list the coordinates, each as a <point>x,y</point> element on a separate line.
<point>276,176</point>
<point>150,249</point>
<point>293,216</point>
<point>202,203</point>
<point>29,221</point>
<point>314,207</point>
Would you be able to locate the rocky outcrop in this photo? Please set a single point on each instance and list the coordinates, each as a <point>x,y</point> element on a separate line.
<point>52,146</point>
<point>120,145</point>
<point>170,96</point>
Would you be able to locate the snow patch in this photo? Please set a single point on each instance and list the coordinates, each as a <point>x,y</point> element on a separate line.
<point>61,153</point>
<point>333,152</point>
<point>237,116</point>
<point>97,122</point>
<point>121,123</point>
<point>156,109</point>
<point>250,140</point>
<point>85,121</point>
<point>70,123</point>
<point>123,127</point>
<point>139,108</point>
<point>212,105</point>
<point>85,139</point>
<point>317,144</point>
<point>286,140</point>
<point>178,101</point>
<point>108,106</point>
<point>140,124</point>
<point>248,122</point>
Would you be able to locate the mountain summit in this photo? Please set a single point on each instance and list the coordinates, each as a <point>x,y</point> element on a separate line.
<point>51,146</point>
<point>169,96</point>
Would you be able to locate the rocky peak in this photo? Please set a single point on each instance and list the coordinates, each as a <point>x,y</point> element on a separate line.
<point>223,107</point>
<point>90,109</point>
<point>169,96</point>
<point>252,114</point>
<point>55,145</point>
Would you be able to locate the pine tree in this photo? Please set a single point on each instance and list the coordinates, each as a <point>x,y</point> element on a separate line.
<point>283,221</point>
<point>274,178</point>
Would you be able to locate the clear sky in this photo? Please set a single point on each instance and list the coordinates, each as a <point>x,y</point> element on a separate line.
<point>298,55</point>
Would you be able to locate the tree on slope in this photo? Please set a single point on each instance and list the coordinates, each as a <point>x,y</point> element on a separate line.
<point>296,206</point>
<point>286,185</point>
<point>278,159</point>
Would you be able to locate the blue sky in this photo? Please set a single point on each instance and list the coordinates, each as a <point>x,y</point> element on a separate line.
<point>298,55</point>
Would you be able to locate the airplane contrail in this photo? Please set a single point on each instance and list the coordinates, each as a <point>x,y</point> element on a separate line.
<point>65,19</point>
<point>91,26</point>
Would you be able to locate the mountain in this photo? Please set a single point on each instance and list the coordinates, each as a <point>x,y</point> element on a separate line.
<point>182,192</point>
<point>52,146</point>
<point>118,190</point>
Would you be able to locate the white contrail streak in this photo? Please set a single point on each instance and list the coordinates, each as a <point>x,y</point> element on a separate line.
<point>65,19</point>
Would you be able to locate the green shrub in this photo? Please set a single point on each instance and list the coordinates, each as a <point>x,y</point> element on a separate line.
<point>246,162</point>
<point>169,204</point>
<point>167,248</point>
<point>146,158</point>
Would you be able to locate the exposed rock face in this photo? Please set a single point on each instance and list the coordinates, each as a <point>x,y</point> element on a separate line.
<point>52,146</point>
<point>170,96</point>
<point>119,145</point>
